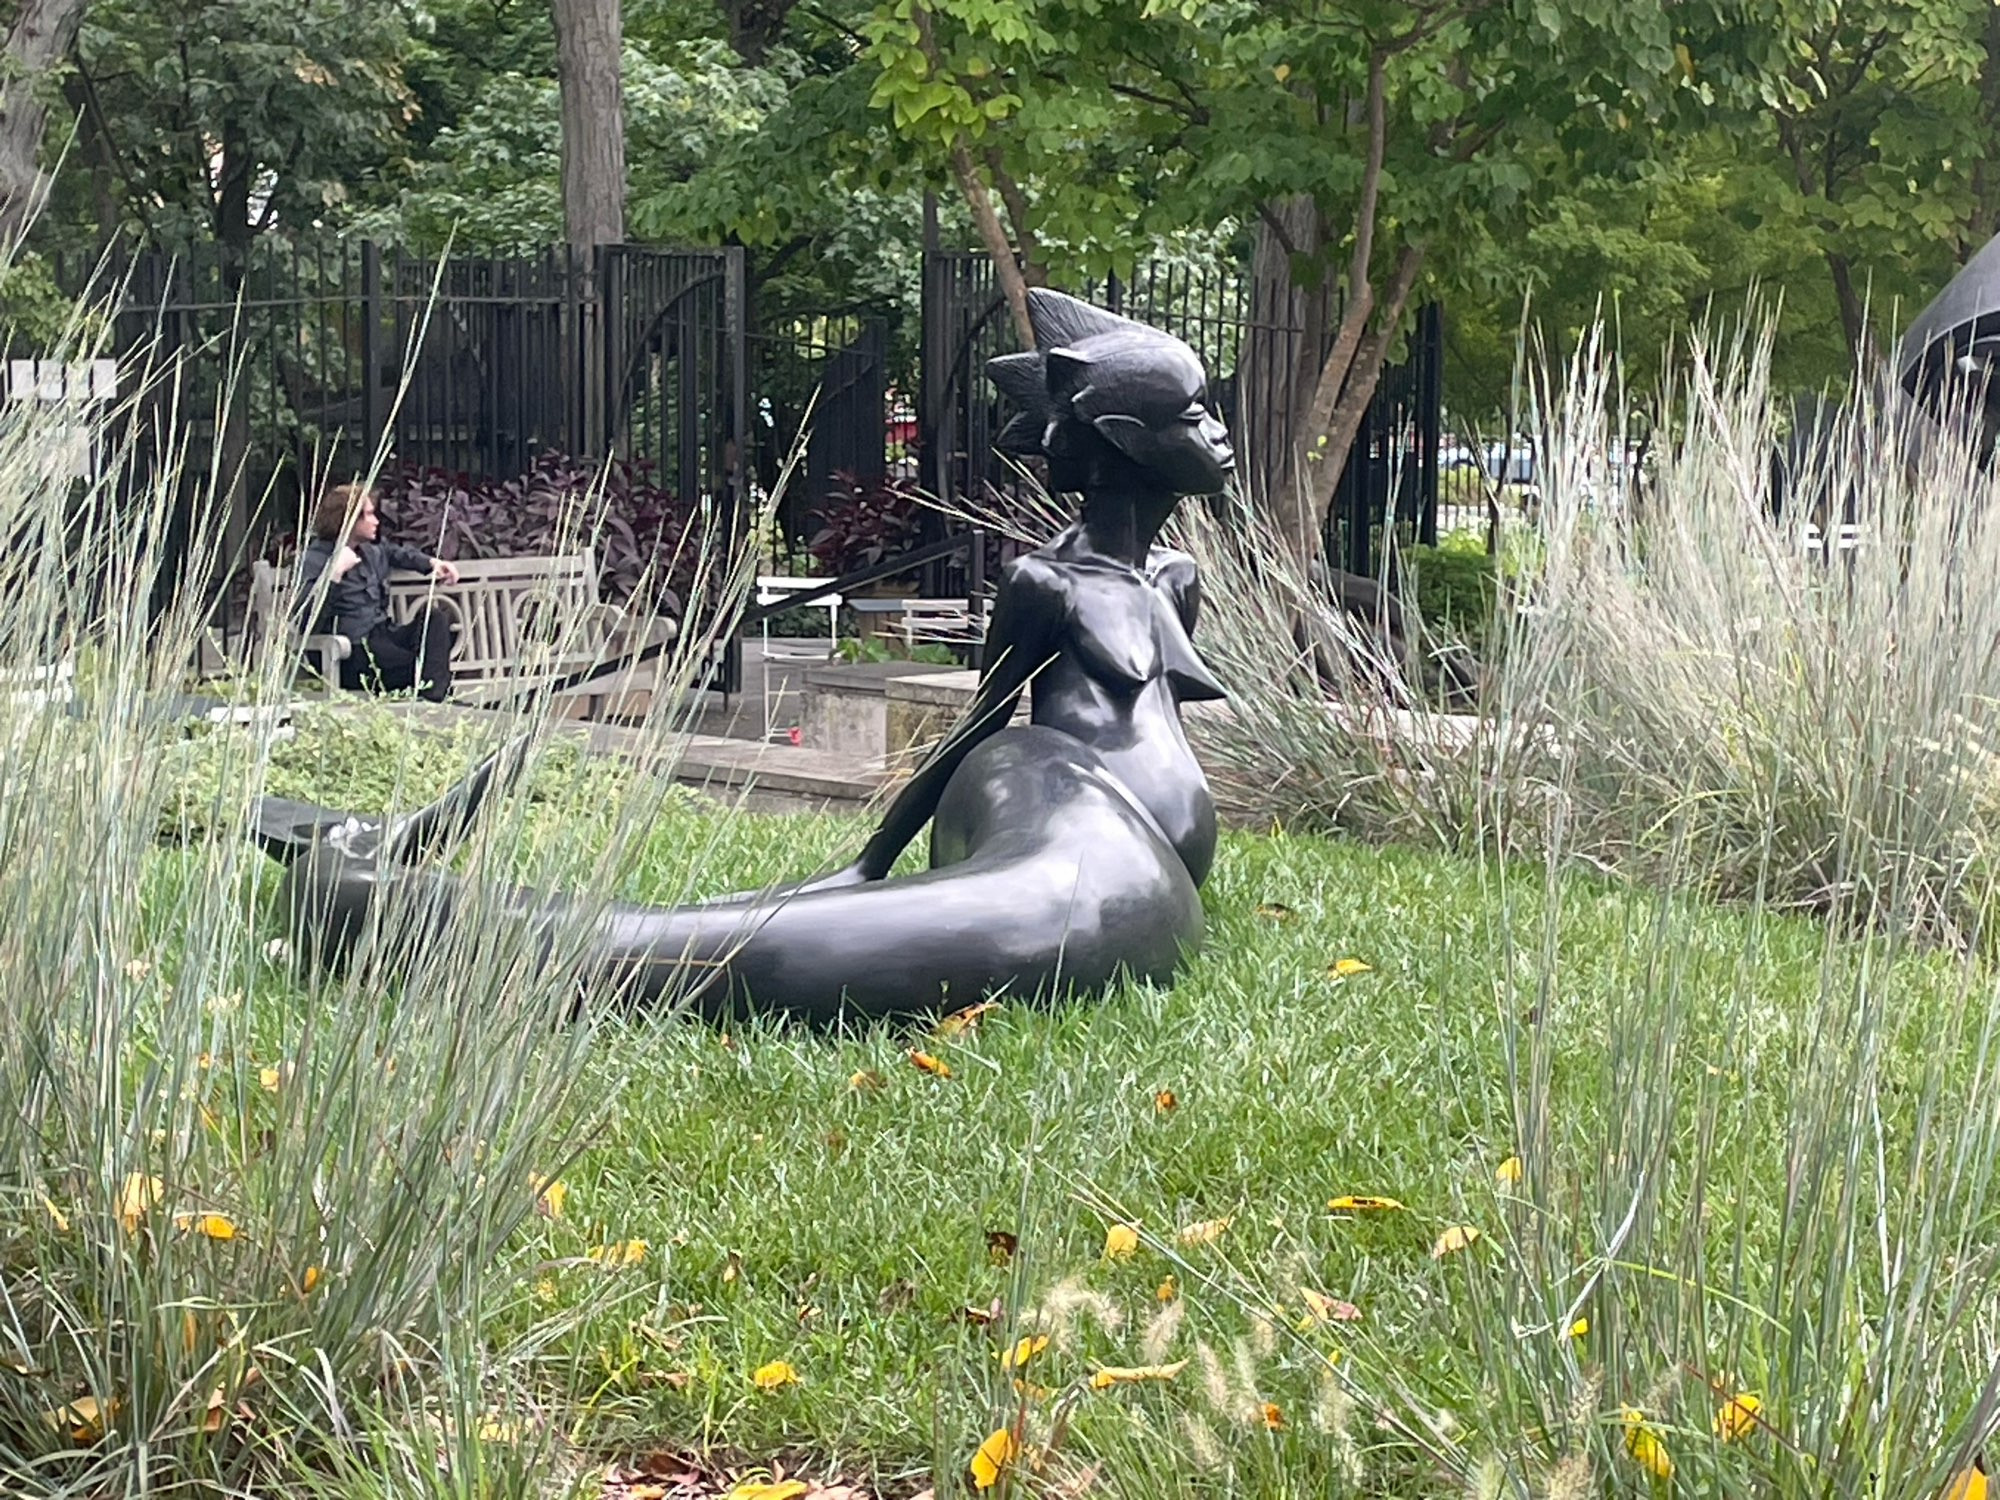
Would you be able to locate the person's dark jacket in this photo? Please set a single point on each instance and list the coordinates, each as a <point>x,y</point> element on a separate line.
<point>358,601</point>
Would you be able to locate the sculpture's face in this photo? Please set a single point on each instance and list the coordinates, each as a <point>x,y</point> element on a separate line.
<point>1145,394</point>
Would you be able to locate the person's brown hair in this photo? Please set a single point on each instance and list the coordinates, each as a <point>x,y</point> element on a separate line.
<point>336,503</point>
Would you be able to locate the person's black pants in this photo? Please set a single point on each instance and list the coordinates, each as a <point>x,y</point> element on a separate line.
<point>416,654</point>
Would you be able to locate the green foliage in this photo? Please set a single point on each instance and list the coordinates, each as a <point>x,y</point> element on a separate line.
<point>888,648</point>
<point>280,109</point>
<point>1454,584</point>
<point>35,314</point>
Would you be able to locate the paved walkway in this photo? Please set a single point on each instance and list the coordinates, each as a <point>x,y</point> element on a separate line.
<point>719,744</point>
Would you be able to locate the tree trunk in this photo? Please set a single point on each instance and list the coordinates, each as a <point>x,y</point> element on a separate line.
<point>39,38</point>
<point>590,37</point>
<point>1282,349</point>
<point>1853,320</point>
<point>1986,173</point>
<point>1006,267</point>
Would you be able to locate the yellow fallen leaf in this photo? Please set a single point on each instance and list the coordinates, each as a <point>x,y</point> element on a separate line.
<point>217,1412</point>
<point>1325,1309</point>
<point>1347,968</point>
<point>1362,1203</point>
<point>866,1078</point>
<point>268,1079</point>
<point>1110,1375</point>
<point>1509,1171</point>
<point>937,1067</point>
<point>998,1451</point>
<point>549,1196</point>
<point>137,1198</point>
<point>1206,1232</point>
<point>1023,1350</point>
<point>1121,1241</point>
<point>1738,1417</point>
<point>1970,1484</point>
<point>960,1022</point>
<point>1579,1328</point>
<point>774,1376</point>
<point>56,1216</point>
<point>82,1419</point>
<point>1458,1237</point>
<point>310,1280</point>
<point>214,1226</point>
<point>1644,1444</point>
<point>1165,1103</point>
<point>1167,1290</point>
<point>757,1489</point>
<point>190,1331</point>
<point>624,1253</point>
<point>1274,1416</point>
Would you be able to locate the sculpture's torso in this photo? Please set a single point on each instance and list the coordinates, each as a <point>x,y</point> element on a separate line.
<point>1121,667</point>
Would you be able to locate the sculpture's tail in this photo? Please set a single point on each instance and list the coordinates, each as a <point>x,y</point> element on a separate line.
<point>452,814</point>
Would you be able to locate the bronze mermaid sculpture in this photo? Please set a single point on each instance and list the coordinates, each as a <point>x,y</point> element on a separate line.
<point>1064,854</point>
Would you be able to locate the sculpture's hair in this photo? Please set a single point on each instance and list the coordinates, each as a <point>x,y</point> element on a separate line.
<point>1059,321</point>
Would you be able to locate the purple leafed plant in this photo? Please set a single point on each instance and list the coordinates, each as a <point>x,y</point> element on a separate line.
<point>862,523</point>
<point>632,523</point>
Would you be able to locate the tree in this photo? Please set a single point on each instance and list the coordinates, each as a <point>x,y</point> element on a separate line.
<point>589,49</point>
<point>220,119</point>
<point>37,41</point>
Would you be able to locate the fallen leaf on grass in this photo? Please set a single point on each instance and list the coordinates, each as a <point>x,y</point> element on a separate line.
<point>1579,1328</point>
<point>1167,1290</point>
<point>624,1253</point>
<point>1362,1203</point>
<point>212,1226</point>
<point>1110,1375</point>
<point>310,1280</point>
<point>549,1196</point>
<point>137,1198</point>
<point>1458,1237</point>
<point>1276,911</point>
<point>1274,1416</point>
<point>271,1079</point>
<point>963,1022</point>
<point>82,1419</point>
<point>1165,1103</point>
<point>1509,1171</point>
<point>1347,968</point>
<point>866,1080</point>
<point>1970,1484</point>
<point>937,1067</point>
<point>1001,1245</point>
<point>1645,1446</point>
<point>1325,1309</point>
<point>755,1489</point>
<point>999,1450</point>
<point>217,1412</point>
<point>1023,1350</point>
<point>982,1317</point>
<point>56,1216</point>
<point>774,1376</point>
<point>1206,1232</point>
<point>1738,1417</point>
<point>1121,1241</point>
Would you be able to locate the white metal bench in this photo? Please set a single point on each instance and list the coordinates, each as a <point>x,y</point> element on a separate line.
<point>520,620</point>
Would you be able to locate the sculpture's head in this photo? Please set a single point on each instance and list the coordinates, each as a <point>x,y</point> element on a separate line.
<point>1099,384</point>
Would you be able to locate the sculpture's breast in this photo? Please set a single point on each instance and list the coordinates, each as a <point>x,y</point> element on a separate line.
<point>1115,631</point>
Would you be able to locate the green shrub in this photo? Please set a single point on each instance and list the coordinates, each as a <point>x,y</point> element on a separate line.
<point>1454,585</point>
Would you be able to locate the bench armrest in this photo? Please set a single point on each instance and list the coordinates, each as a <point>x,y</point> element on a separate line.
<point>326,652</point>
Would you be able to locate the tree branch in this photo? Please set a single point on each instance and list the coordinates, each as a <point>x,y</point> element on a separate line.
<point>1017,213</point>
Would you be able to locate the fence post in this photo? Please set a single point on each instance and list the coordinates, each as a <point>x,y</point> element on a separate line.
<point>587,284</point>
<point>736,441</point>
<point>611,301</point>
<point>372,415</point>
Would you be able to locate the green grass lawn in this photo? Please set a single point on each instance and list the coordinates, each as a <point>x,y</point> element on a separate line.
<point>818,1199</point>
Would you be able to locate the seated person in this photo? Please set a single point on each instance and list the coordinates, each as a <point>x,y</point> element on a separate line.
<point>386,656</point>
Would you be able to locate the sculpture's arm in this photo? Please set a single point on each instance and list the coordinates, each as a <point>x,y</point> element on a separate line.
<point>1020,640</point>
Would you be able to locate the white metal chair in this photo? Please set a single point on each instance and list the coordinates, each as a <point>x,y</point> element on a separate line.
<point>775,590</point>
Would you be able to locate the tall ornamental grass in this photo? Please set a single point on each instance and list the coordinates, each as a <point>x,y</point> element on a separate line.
<point>247,1239</point>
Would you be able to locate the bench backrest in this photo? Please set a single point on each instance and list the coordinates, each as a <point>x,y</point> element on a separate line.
<point>515,615</point>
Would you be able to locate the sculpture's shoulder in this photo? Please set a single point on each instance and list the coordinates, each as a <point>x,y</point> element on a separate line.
<point>1174,573</point>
